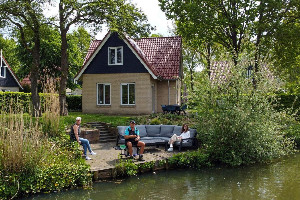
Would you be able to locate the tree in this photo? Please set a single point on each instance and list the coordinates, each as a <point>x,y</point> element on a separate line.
<point>229,23</point>
<point>26,16</point>
<point>191,60</point>
<point>119,15</point>
<point>287,55</point>
<point>78,45</point>
<point>9,46</point>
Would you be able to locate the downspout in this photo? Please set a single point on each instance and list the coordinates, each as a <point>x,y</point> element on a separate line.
<point>168,92</point>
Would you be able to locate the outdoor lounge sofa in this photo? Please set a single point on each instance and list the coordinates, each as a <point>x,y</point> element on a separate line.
<point>160,135</point>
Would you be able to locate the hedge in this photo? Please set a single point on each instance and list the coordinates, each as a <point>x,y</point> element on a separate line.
<point>74,102</point>
<point>21,101</point>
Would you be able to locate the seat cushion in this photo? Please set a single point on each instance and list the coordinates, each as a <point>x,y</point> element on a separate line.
<point>153,130</point>
<point>166,130</point>
<point>185,143</point>
<point>142,130</point>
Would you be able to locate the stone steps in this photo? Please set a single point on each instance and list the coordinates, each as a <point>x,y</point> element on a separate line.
<point>105,135</point>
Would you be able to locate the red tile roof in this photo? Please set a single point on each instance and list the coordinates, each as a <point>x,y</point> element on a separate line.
<point>162,55</point>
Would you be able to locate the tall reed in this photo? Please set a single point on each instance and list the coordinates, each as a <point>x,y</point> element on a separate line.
<point>21,141</point>
<point>51,116</point>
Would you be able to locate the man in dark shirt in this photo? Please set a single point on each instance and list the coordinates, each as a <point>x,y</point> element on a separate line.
<point>132,138</point>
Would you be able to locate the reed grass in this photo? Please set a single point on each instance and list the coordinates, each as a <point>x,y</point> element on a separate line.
<point>22,142</point>
<point>51,116</point>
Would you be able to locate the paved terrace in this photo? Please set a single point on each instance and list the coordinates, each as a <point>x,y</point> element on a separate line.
<point>106,158</point>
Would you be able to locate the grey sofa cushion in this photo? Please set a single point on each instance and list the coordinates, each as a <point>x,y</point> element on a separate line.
<point>142,130</point>
<point>153,130</point>
<point>166,130</point>
<point>177,130</point>
<point>192,133</point>
<point>121,130</point>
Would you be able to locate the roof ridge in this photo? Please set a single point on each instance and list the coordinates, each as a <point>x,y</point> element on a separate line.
<point>157,37</point>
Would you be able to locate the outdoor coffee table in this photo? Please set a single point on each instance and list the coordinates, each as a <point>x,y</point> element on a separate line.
<point>156,142</point>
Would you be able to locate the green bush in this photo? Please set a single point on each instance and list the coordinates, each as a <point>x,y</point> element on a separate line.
<point>62,168</point>
<point>237,123</point>
<point>74,102</point>
<point>125,168</point>
<point>290,102</point>
<point>191,159</point>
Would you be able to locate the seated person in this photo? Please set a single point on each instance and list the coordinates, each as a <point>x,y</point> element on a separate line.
<point>132,137</point>
<point>185,133</point>
<point>74,136</point>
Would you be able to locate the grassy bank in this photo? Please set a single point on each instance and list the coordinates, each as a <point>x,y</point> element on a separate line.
<point>36,155</point>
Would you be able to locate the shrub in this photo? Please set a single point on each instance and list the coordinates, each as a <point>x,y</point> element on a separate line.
<point>74,102</point>
<point>30,160</point>
<point>125,168</point>
<point>191,159</point>
<point>237,122</point>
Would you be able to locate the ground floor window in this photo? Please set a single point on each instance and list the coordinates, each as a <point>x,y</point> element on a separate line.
<point>128,93</point>
<point>103,94</point>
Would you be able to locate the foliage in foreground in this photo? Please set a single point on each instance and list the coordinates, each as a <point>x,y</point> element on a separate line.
<point>191,159</point>
<point>237,123</point>
<point>35,156</point>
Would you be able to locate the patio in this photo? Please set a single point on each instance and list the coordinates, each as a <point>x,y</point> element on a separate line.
<point>107,156</point>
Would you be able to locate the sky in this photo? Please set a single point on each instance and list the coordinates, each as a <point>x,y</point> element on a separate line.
<point>151,9</point>
<point>156,17</point>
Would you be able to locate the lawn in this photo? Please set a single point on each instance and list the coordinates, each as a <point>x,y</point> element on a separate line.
<point>114,120</point>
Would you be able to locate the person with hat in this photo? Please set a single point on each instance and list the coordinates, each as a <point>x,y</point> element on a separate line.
<point>132,138</point>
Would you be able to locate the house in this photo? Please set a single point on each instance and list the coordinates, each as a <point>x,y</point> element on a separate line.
<point>125,76</point>
<point>8,80</point>
<point>77,91</point>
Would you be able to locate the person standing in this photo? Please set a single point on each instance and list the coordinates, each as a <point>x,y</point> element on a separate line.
<point>74,135</point>
<point>185,133</point>
<point>132,138</point>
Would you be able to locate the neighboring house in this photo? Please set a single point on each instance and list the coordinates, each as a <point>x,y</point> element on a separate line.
<point>220,70</point>
<point>8,80</point>
<point>77,91</point>
<point>125,76</point>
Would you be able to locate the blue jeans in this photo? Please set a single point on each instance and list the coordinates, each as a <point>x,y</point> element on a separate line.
<point>86,145</point>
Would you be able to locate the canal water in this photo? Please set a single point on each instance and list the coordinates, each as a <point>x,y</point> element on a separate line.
<point>277,180</point>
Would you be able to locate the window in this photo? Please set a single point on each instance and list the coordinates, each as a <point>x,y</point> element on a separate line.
<point>115,55</point>
<point>127,94</point>
<point>2,70</point>
<point>103,94</point>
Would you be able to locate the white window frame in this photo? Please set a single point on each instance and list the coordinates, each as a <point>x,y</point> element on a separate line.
<point>116,57</point>
<point>4,68</point>
<point>127,94</point>
<point>104,84</point>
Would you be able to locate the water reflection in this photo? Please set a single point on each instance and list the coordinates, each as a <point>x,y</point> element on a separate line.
<point>279,180</point>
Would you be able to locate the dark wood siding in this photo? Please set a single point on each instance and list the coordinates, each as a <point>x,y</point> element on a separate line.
<point>99,64</point>
<point>9,80</point>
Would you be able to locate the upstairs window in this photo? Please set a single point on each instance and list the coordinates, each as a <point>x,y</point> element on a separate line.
<point>128,94</point>
<point>103,94</point>
<point>115,55</point>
